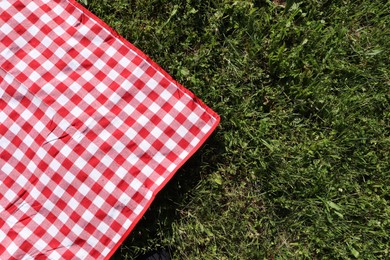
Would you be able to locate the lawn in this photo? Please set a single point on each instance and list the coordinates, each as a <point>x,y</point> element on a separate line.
<point>300,164</point>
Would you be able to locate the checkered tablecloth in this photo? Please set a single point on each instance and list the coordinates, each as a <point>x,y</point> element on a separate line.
<point>90,130</point>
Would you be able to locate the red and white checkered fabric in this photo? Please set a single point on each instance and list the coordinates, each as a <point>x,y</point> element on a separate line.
<point>90,130</point>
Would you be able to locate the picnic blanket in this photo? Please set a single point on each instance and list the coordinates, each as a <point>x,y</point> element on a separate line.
<point>90,130</point>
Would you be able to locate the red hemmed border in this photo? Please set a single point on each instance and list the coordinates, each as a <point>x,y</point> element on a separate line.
<point>182,88</point>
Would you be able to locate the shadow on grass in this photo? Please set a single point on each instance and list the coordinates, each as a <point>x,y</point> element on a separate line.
<point>165,208</point>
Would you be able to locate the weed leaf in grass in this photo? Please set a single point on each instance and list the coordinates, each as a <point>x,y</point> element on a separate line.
<point>334,206</point>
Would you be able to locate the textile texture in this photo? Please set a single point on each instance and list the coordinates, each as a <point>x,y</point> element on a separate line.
<point>90,130</point>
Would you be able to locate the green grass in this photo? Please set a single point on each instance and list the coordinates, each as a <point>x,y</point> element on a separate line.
<point>299,166</point>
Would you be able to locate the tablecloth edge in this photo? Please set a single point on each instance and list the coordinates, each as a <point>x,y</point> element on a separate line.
<point>147,59</point>
<point>182,88</point>
<point>127,233</point>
